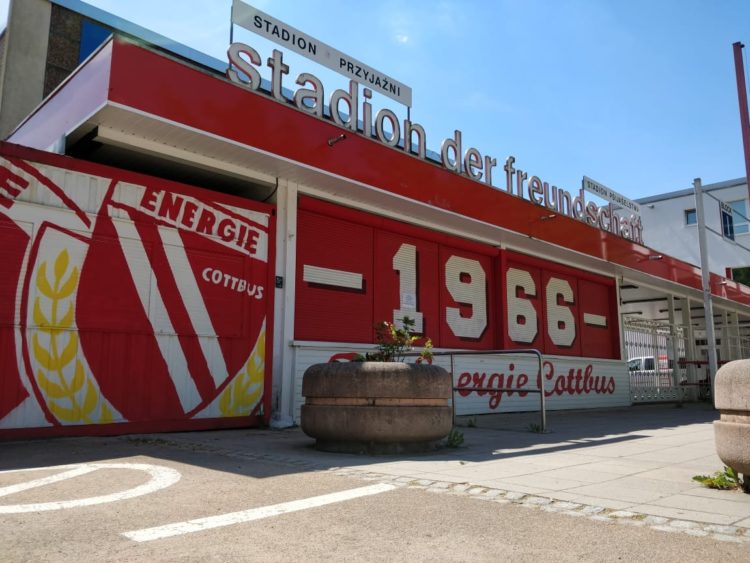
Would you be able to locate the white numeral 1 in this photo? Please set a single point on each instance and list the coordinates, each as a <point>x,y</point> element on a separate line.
<point>472,292</point>
<point>405,263</point>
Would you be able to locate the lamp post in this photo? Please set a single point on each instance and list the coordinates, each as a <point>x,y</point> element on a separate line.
<point>739,68</point>
<point>705,275</point>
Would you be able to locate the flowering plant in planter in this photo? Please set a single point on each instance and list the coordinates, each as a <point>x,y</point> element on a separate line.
<point>395,342</point>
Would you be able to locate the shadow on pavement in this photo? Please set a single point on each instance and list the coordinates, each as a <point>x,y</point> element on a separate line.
<point>263,453</point>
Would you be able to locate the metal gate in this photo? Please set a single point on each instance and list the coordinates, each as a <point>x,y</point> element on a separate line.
<point>738,346</point>
<point>657,364</point>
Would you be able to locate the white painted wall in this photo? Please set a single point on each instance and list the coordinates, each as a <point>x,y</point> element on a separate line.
<point>664,227</point>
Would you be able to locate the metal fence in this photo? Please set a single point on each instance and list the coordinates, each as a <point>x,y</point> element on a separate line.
<point>738,347</point>
<point>657,354</point>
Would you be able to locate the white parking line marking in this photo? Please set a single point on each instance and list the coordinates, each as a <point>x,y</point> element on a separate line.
<point>11,489</point>
<point>161,477</point>
<point>200,524</point>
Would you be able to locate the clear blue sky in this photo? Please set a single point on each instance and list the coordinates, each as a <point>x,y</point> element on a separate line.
<point>638,94</point>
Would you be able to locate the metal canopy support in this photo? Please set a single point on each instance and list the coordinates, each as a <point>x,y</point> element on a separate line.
<point>705,275</point>
<point>674,352</point>
<point>690,351</point>
<point>725,337</point>
<point>733,336</point>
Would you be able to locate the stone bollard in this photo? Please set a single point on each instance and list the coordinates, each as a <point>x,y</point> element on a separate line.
<point>732,431</point>
<point>376,407</point>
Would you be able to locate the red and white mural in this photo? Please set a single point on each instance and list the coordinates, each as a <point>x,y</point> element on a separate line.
<point>355,269</point>
<point>138,302</point>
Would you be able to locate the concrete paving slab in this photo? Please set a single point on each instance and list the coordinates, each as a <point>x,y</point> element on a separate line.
<point>683,514</point>
<point>681,439</point>
<point>416,467</point>
<point>612,504</point>
<point>564,496</point>
<point>516,488</point>
<point>716,494</point>
<point>623,449</point>
<point>492,471</point>
<point>440,478</point>
<point>743,524</point>
<point>672,474</point>
<point>623,466</point>
<point>739,510</point>
<point>558,460</point>
<point>614,490</point>
<point>642,483</point>
<point>706,464</point>
<point>582,474</point>
<point>672,455</point>
<point>543,481</point>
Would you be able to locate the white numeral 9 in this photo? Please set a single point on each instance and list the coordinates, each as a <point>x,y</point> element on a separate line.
<point>472,292</point>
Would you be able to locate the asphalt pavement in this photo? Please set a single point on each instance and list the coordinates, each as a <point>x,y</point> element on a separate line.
<point>639,460</point>
<point>601,485</point>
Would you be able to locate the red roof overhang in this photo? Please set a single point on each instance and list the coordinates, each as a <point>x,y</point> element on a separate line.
<point>129,80</point>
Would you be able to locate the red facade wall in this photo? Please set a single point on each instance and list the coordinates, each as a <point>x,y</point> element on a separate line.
<point>466,295</point>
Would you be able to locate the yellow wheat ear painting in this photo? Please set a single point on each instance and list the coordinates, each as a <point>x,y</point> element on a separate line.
<point>70,393</point>
<point>242,395</point>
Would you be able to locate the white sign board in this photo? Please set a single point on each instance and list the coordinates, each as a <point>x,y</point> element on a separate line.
<point>287,36</point>
<point>569,382</point>
<point>611,195</point>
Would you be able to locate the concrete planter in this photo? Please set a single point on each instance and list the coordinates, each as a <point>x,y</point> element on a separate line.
<point>376,407</point>
<point>732,431</point>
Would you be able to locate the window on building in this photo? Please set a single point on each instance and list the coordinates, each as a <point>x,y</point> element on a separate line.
<point>691,218</point>
<point>727,226</point>
<point>742,275</point>
<point>739,216</point>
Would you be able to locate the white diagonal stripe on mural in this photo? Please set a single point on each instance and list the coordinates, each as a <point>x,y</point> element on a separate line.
<point>194,304</point>
<point>137,260</point>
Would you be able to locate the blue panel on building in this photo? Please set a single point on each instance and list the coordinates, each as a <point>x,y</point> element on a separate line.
<point>92,35</point>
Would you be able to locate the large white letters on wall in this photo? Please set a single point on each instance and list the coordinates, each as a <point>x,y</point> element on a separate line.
<point>471,289</point>
<point>405,263</point>
<point>522,317</point>
<point>560,321</point>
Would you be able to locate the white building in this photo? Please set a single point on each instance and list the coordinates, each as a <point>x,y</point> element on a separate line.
<point>670,226</point>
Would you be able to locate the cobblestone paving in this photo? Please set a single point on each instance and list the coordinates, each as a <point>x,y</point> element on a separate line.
<point>598,513</point>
